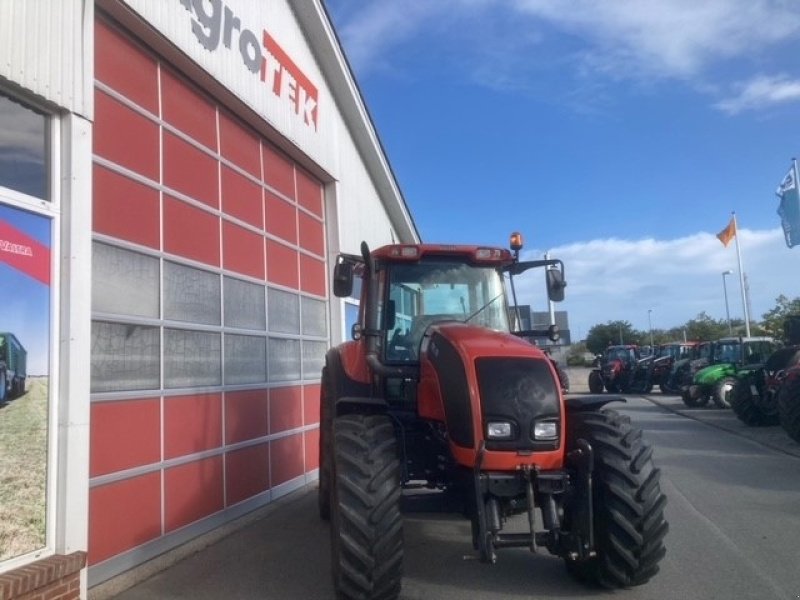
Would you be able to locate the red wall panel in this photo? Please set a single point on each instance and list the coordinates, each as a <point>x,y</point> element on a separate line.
<point>183,108</point>
<point>280,217</point>
<point>125,209</point>
<point>190,232</point>
<point>285,408</point>
<point>286,458</point>
<point>124,434</point>
<point>243,250</point>
<point>241,198</point>
<point>246,473</point>
<point>123,515</point>
<point>309,193</point>
<point>278,171</point>
<point>192,491</point>
<point>246,415</point>
<point>312,275</point>
<point>125,137</point>
<point>282,265</point>
<point>190,171</point>
<point>312,234</point>
<point>239,145</point>
<point>124,66</point>
<point>311,441</point>
<point>311,404</point>
<point>192,424</point>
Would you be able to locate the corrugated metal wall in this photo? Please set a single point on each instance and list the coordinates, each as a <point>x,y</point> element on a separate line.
<point>46,47</point>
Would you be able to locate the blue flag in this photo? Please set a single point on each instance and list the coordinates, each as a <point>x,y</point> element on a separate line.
<point>789,209</point>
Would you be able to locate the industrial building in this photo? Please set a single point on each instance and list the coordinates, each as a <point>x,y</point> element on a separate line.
<point>176,179</point>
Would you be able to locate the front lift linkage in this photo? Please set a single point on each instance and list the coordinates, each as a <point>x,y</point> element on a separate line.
<point>576,545</point>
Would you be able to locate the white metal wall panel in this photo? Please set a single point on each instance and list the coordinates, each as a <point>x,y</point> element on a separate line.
<point>46,46</point>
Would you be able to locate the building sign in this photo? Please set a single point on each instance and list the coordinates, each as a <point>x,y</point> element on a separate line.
<point>20,251</point>
<point>218,29</point>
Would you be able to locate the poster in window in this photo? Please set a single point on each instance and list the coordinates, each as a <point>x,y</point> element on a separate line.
<point>25,278</point>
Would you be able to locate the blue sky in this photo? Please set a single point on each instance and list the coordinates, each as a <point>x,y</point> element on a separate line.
<point>618,135</point>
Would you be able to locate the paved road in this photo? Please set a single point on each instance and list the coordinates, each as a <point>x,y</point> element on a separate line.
<point>734,513</point>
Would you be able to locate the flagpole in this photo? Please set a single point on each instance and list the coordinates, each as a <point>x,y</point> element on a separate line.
<point>741,276</point>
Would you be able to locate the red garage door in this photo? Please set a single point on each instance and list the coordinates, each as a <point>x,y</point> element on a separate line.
<point>209,308</point>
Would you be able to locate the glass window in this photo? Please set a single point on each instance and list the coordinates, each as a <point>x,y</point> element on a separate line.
<point>23,149</point>
<point>245,359</point>
<point>313,359</point>
<point>315,321</point>
<point>191,295</point>
<point>124,357</point>
<point>284,311</point>
<point>244,305</point>
<point>350,319</point>
<point>284,359</point>
<point>191,358</point>
<point>25,391</point>
<point>124,282</point>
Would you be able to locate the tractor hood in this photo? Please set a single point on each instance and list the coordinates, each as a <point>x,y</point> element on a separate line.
<point>711,374</point>
<point>474,377</point>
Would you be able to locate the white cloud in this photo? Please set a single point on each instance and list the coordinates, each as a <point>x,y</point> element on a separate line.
<point>762,92</point>
<point>639,40</point>
<point>619,279</point>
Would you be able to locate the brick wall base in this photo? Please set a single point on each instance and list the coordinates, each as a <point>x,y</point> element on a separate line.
<point>52,578</point>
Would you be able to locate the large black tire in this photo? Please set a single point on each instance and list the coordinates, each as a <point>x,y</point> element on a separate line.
<point>595,383</point>
<point>366,525</point>
<point>326,400</point>
<point>629,523</point>
<point>789,406</point>
<point>3,387</point>
<point>746,406</point>
<point>694,397</point>
<point>722,392</point>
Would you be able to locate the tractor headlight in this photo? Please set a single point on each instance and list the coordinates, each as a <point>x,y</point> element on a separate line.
<point>545,430</point>
<point>499,430</point>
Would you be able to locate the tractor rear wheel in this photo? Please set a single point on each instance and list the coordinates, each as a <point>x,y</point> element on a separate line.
<point>722,392</point>
<point>366,525</point>
<point>789,407</point>
<point>693,397</point>
<point>747,407</point>
<point>595,383</point>
<point>628,505</point>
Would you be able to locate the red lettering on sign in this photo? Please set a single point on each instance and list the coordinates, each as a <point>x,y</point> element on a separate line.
<point>23,253</point>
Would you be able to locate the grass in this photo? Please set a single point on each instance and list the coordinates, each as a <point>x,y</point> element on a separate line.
<point>23,470</point>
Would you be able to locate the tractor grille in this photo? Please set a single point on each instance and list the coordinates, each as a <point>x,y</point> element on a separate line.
<point>520,391</point>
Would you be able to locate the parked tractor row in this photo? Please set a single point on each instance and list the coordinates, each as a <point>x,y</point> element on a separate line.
<point>755,376</point>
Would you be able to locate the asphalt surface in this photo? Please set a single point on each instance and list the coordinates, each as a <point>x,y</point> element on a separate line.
<point>733,508</point>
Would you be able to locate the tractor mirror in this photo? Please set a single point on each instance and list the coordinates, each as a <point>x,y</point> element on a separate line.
<point>553,332</point>
<point>555,285</point>
<point>343,279</point>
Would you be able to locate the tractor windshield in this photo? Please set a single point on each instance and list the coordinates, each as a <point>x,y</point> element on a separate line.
<point>426,292</point>
<point>727,351</point>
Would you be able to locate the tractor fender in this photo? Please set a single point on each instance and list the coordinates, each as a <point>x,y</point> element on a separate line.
<point>346,392</point>
<point>581,403</point>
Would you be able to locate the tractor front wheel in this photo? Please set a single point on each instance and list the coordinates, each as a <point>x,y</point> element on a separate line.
<point>694,396</point>
<point>789,407</point>
<point>628,505</point>
<point>748,407</point>
<point>595,383</point>
<point>722,392</point>
<point>366,525</point>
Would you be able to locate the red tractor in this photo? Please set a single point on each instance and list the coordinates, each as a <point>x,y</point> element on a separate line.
<point>616,371</point>
<point>435,390</point>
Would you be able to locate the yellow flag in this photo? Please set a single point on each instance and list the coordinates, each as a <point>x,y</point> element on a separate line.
<point>726,235</point>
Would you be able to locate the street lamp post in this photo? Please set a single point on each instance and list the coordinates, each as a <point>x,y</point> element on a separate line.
<point>650,327</point>
<point>727,310</point>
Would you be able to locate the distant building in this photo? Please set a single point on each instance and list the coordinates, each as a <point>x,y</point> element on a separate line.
<point>529,319</point>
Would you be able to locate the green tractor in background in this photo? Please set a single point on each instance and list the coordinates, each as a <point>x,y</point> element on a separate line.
<point>733,357</point>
